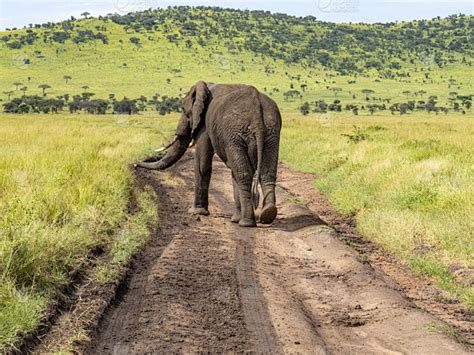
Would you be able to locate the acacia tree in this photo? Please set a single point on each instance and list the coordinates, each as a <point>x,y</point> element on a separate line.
<point>17,84</point>
<point>420,92</point>
<point>367,92</point>
<point>291,94</point>
<point>86,96</point>
<point>8,93</point>
<point>24,89</point>
<point>335,90</point>
<point>44,87</point>
<point>135,41</point>
<point>67,78</point>
<point>85,14</point>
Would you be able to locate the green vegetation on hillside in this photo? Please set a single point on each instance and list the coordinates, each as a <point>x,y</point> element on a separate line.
<point>296,60</point>
<point>344,47</point>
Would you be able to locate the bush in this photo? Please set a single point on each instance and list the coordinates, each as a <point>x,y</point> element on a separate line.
<point>98,106</point>
<point>358,136</point>
<point>305,108</point>
<point>33,104</point>
<point>125,106</point>
<point>167,104</point>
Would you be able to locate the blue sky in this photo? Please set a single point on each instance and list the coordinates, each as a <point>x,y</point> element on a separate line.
<point>17,13</point>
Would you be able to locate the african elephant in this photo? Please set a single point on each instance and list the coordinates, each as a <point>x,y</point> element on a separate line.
<point>242,126</point>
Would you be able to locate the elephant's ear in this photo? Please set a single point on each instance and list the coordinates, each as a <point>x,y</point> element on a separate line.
<point>201,93</point>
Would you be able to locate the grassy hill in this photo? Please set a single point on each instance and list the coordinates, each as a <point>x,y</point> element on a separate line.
<point>164,51</point>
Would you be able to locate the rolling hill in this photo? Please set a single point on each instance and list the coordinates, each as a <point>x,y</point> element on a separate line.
<point>163,51</point>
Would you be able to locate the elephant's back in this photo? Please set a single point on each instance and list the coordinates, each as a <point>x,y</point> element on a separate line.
<point>238,103</point>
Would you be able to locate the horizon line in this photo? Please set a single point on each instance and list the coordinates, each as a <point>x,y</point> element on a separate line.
<point>110,14</point>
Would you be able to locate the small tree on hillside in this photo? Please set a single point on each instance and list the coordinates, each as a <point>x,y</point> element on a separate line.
<point>44,87</point>
<point>335,90</point>
<point>305,108</point>
<point>67,78</point>
<point>420,92</point>
<point>126,106</point>
<point>24,89</point>
<point>367,92</point>
<point>17,84</point>
<point>291,94</point>
<point>87,95</point>
<point>85,14</point>
<point>135,40</point>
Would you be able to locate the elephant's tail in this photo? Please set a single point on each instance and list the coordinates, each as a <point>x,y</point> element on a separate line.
<point>259,137</point>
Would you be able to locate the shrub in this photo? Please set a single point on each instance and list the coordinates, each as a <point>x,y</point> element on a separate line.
<point>125,106</point>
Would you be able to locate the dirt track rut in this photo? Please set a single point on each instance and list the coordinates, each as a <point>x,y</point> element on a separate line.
<point>204,284</point>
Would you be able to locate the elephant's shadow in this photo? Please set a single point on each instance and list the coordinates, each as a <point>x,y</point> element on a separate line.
<point>296,222</point>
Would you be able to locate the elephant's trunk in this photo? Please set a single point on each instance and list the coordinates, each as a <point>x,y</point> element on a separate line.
<point>174,152</point>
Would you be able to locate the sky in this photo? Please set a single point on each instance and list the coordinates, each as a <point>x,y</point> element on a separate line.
<point>19,13</point>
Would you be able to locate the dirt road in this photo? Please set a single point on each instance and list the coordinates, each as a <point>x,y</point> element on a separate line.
<point>204,284</point>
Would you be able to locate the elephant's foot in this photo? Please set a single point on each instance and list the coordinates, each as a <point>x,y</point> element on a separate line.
<point>247,222</point>
<point>199,210</point>
<point>235,217</point>
<point>268,214</point>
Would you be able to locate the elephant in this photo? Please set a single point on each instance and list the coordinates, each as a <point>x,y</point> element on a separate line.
<point>242,126</point>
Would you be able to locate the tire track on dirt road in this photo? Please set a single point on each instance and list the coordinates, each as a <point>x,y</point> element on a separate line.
<point>199,294</point>
<point>203,284</point>
<point>253,303</point>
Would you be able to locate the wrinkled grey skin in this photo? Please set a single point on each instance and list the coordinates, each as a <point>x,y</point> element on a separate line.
<point>242,126</point>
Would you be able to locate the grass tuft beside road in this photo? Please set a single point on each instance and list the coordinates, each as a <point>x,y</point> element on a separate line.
<point>64,188</point>
<point>130,238</point>
<point>407,181</point>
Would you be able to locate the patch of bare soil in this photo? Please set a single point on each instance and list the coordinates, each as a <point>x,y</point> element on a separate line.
<point>204,284</point>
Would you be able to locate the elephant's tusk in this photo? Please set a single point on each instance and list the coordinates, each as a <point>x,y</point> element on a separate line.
<point>193,143</point>
<point>169,145</point>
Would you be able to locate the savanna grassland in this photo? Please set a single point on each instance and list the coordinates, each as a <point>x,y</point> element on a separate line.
<point>407,181</point>
<point>65,185</point>
<point>381,113</point>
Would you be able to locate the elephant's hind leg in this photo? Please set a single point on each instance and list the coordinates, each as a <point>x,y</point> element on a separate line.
<point>202,173</point>
<point>237,213</point>
<point>269,210</point>
<point>268,179</point>
<point>243,171</point>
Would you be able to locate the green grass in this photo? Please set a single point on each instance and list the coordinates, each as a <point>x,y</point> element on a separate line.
<point>441,328</point>
<point>64,188</point>
<point>408,183</point>
<point>130,238</point>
